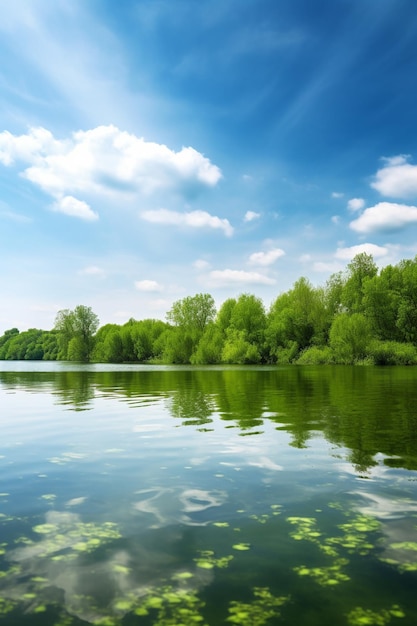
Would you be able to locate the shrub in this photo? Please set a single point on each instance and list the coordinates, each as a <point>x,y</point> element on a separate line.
<point>316,355</point>
<point>393,353</point>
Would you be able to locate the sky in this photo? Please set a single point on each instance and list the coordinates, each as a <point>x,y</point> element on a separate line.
<point>155,149</point>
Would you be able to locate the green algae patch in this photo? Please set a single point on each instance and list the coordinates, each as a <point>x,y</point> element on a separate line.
<point>264,607</point>
<point>305,529</point>
<point>45,529</point>
<point>207,560</point>
<point>262,519</point>
<point>121,569</point>
<point>183,575</point>
<point>366,617</point>
<point>79,537</point>
<point>49,497</point>
<point>241,546</point>
<point>326,576</point>
<point>173,607</point>
<point>6,606</point>
<point>405,545</point>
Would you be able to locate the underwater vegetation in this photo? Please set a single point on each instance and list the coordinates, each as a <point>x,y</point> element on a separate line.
<point>33,567</point>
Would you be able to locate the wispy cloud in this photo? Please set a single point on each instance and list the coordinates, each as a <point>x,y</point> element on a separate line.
<point>75,208</point>
<point>14,217</point>
<point>192,219</point>
<point>92,270</point>
<point>201,264</point>
<point>148,285</point>
<point>250,216</point>
<point>385,217</point>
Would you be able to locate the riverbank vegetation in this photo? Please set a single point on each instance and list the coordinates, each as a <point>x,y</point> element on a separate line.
<point>362,315</point>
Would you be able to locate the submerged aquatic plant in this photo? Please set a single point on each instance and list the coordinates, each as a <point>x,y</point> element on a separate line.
<point>325,576</point>
<point>367,617</point>
<point>207,560</point>
<point>259,611</point>
<point>402,555</point>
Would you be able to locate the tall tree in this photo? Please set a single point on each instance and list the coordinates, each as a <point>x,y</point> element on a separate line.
<point>193,312</point>
<point>361,269</point>
<point>76,330</point>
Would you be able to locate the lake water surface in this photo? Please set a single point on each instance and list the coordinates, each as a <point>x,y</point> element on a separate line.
<point>210,496</point>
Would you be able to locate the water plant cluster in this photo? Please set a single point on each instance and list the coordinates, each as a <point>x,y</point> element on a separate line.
<point>361,315</point>
<point>34,566</point>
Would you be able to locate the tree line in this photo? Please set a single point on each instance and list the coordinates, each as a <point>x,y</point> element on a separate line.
<point>361,315</point>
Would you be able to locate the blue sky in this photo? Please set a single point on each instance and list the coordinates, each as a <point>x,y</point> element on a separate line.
<point>155,149</point>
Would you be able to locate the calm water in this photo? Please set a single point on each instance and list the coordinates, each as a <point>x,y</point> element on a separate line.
<point>169,496</point>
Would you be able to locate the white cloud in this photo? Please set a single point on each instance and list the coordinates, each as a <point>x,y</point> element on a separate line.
<point>385,216</point>
<point>337,194</point>
<point>356,204</point>
<point>201,264</point>
<point>148,285</point>
<point>92,270</point>
<point>335,219</point>
<point>397,179</point>
<point>250,216</point>
<point>105,160</point>
<point>75,208</point>
<point>193,219</point>
<point>305,258</point>
<point>266,258</point>
<point>332,267</point>
<point>347,254</point>
<point>225,278</point>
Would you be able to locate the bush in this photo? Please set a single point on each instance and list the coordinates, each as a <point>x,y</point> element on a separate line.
<point>393,353</point>
<point>316,355</point>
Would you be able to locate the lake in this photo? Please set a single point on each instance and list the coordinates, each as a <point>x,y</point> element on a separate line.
<point>135,495</point>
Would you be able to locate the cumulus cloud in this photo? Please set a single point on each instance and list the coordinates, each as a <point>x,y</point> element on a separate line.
<point>266,258</point>
<point>397,179</point>
<point>104,160</point>
<point>192,219</point>
<point>75,208</point>
<point>356,204</point>
<point>385,216</point>
<point>250,216</point>
<point>148,285</point>
<point>225,278</point>
<point>347,254</point>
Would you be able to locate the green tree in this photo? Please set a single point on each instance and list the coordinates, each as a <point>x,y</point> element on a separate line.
<point>361,269</point>
<point>190,316</point>
<point>193,312</point>
<point>297,319</point>
<point>76,331</point>
<point>209,348</point>
<point>350,337</point>
<point>381,301</point>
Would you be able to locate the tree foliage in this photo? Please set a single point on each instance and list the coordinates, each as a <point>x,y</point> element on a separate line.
<point>76,330</point>
<point>360,314</point>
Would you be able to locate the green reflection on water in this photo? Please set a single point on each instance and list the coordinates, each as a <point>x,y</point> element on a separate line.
<point>368,410</point>
<point>117,576</point>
